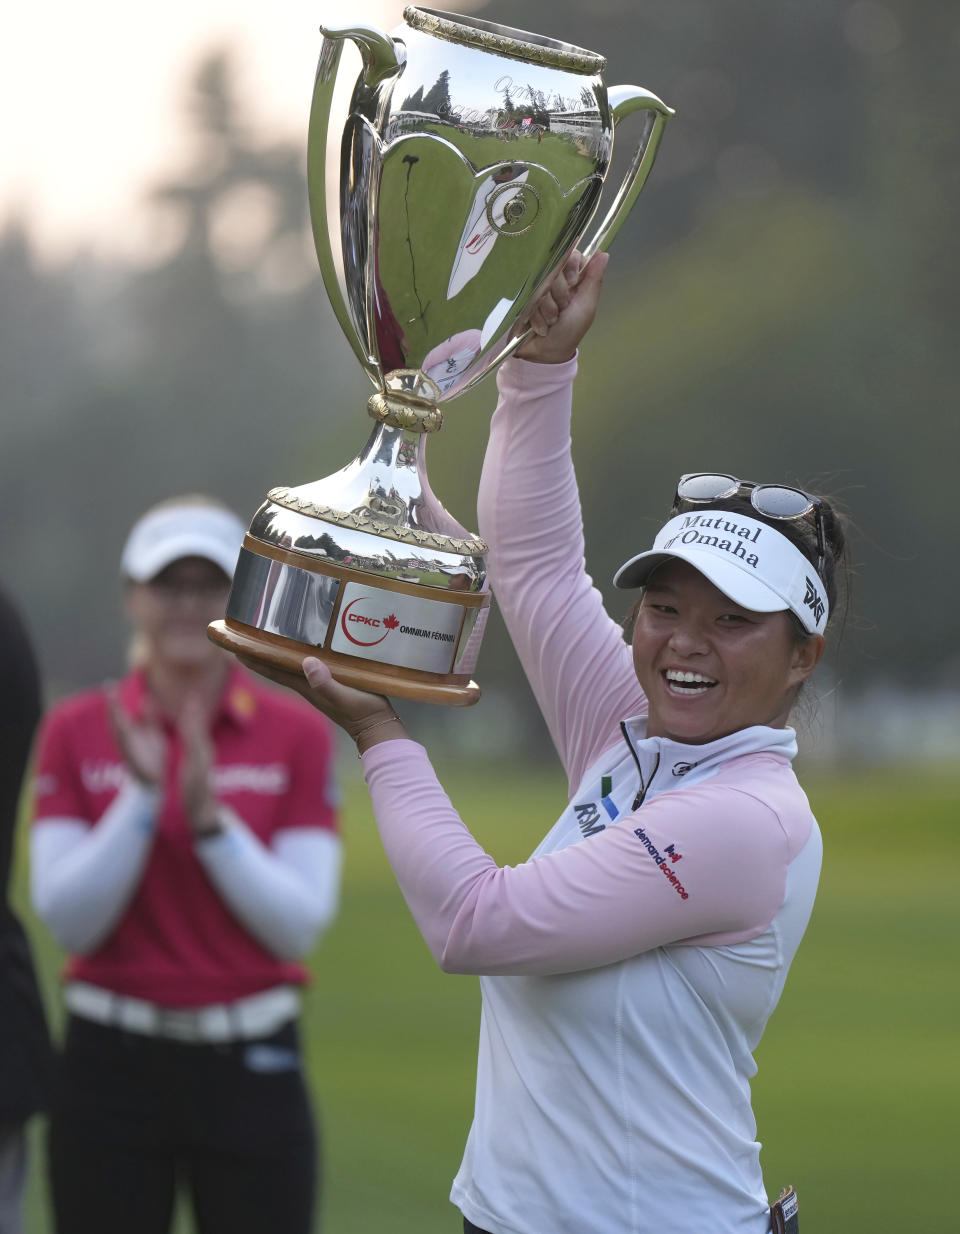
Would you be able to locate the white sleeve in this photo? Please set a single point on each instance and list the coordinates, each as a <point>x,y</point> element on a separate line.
<point>285,895</point>
<point>82,877</point>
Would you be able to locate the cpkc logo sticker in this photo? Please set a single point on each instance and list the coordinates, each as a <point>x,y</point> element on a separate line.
<point>362,629</point>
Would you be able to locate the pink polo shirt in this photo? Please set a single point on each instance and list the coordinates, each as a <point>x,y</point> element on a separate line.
<point>177,943</point>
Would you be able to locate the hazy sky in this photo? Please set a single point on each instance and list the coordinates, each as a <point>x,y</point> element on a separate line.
<point>92,97</point>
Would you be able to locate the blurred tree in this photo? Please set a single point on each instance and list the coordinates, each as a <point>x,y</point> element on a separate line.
<point>34,310</point>
<point>209,371</point>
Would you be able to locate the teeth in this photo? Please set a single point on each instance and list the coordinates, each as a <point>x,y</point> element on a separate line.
<point>674,674</point>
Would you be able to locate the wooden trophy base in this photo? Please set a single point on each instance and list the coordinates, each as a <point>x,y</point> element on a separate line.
<point>284,658</point>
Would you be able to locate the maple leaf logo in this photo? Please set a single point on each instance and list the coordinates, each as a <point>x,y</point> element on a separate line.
<point>391,622</point>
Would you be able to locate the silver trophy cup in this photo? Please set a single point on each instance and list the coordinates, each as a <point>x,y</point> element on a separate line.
<point>471,163</point>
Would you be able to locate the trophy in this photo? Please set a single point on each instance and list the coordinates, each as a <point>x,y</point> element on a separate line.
<point>470,164</point>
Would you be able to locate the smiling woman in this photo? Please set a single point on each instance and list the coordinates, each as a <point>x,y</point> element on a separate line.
<point>729,607</point>
<point>709,667</point>
<point>629,967</point>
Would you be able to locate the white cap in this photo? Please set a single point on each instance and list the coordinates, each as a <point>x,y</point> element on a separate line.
<point>168,533</point>
<point>751,562</point>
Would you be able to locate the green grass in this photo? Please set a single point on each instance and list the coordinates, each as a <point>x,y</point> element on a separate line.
<point>858,1088</point>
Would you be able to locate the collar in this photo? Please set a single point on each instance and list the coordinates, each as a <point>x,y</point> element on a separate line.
<point>682,758</point>
<point>238,703</point>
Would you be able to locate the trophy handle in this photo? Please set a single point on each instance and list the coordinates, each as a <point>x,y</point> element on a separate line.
<point>378,50</point>
<point>624,100</point>
<point>381,57</point>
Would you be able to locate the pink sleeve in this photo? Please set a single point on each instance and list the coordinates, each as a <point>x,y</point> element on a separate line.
<point>573,653</point>
<point>697,864</point>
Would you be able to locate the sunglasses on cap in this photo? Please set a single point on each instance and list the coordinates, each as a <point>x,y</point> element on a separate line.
<point>778,501</point>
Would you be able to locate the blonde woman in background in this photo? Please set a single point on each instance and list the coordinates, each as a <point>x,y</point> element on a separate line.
<point>185,853</point>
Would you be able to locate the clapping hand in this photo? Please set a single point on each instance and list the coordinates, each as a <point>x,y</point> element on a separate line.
<point>141,740</point>
<point>198,799</point>
<point>143,746</point>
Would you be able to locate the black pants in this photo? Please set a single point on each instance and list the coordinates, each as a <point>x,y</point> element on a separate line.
<point>133,1116</point>
<point>470,1228</point>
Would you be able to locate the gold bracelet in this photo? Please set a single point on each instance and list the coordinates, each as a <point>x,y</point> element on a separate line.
<point>370,727</point>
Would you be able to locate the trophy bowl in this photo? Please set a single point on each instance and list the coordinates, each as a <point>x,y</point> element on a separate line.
<point>470,164</point>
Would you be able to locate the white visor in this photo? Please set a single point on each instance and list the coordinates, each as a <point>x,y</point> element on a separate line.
<point>749,561</point>
<point>169,534</point>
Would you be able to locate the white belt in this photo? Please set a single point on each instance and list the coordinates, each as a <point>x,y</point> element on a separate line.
<point>257,1015</point>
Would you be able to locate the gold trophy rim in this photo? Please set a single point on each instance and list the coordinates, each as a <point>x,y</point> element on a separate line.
<point>503,40</point>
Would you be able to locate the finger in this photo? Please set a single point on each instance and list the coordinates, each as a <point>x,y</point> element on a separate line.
<point>595,269</point>
<point>573,267</point>
<point>557,296</point>
<point>135,740</point>
<point>538,322</point>
<point>197,759</point>
<point>568,277</point>
<point>550,309</point>
<point>562,292</point>
<point>545,312</point>
<point>322,680</point>
<point>540,316</point>
<point>591,284</point>
<point>316,672</point>
<point>528,344</point>
<point>192,725</point>
<point>344,704</point>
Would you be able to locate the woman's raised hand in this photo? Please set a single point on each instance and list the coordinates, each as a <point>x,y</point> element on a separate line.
<point>563,313</point>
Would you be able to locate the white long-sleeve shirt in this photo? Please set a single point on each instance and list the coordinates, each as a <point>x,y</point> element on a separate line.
<point>82,879</point>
